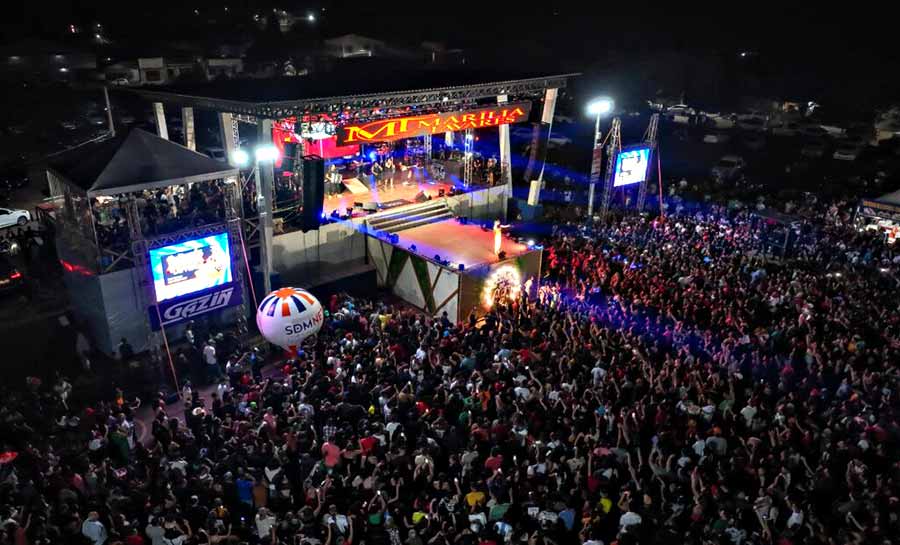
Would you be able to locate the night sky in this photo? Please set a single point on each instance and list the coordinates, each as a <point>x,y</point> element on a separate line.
<point>847,59</point>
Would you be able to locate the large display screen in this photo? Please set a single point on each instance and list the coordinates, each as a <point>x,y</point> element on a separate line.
<point>632,166</point>
<point>190,266</point>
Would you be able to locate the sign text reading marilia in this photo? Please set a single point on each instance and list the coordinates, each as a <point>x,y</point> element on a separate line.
<point>385,130</point>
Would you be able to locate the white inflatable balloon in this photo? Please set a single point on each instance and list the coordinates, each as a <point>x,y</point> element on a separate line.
<point>287,316</point>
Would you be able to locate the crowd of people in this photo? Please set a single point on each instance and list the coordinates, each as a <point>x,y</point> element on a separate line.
<point>664,383</point>
<point>161,211</point>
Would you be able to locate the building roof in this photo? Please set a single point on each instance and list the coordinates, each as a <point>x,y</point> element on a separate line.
<point>361,83</point>
<point>133,161</point>
<point>892,198</point>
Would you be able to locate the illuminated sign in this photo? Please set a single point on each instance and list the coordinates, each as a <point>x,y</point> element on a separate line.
<point>187,308</point>
<point>385,130</point>
<point>191,266</point>
<point>632,165</point>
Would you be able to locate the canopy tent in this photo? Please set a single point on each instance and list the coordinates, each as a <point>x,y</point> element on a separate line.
<point>134,161</point>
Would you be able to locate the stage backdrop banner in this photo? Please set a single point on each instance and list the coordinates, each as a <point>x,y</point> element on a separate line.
<point>176,311</point>
<point>386,130</point>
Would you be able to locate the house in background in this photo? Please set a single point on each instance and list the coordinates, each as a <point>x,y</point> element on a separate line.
<point>46,61</point>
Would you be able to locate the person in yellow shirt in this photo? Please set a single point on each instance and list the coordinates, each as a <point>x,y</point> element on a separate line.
<point>475,498</point>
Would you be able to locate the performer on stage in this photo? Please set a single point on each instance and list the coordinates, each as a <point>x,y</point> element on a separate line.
<point>498,236</point>
<point>334,181</point>
<point>389,173</point>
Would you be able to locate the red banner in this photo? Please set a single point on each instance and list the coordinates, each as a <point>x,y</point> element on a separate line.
<point>386,130</point>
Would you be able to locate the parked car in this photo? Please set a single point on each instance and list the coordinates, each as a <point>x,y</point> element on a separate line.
<point>814,149</point>
<point>813,131</point>
<point>728,167</point>
<point>10,277</point>
<point>679,113</point>
<point>120,81</point>
<point>754,141</point>
<point>720,121</point>
<point>849,150</point>
<point>68,125</point>
<point>786,128</point>
<point>11,216</point>
<point>716,138</point>
<point>751,122</point>
<point>97,120</point>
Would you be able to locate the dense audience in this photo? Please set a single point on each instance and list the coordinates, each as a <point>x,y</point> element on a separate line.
<point>161,211</point>
<point>666,383</point>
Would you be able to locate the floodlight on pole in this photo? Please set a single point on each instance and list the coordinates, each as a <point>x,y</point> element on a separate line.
<point>267,153</point>
<point>598,107</point>
<point>240,158</point>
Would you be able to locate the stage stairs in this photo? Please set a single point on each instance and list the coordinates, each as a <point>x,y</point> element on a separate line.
<point>411,216</point>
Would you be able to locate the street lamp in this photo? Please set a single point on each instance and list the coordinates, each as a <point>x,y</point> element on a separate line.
<point>598,107</point>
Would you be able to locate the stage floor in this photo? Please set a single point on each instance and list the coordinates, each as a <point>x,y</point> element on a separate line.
<point>384,194</point>
<point>467,244</point>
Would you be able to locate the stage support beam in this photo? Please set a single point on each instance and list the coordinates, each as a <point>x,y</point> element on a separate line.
<point>226,132</point>
<point>505,166</point>
<point>187,122</point>
<point>265,183</point>
<point>426,144</point>
<point>539,142</point>
<point>468,157</point>
<point>159,118</point>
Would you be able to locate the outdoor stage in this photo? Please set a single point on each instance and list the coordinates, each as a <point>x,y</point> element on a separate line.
<point>384,197</point>
<point>467,244</point>
<point>474,280</point>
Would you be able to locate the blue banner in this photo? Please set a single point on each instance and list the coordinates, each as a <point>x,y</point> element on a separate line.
<point>176,311</point>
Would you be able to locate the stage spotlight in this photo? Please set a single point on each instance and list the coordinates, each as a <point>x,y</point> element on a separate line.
<point>240,158</point>
<point>530,242</point>
<point>267,152</point>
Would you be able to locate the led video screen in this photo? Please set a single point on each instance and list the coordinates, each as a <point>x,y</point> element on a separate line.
<point>190,266</point>
<point>632,166</point>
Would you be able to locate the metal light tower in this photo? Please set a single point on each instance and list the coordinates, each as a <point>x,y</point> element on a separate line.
<point>598,107</point>
<point>649,138</point>
<point>613,148</point>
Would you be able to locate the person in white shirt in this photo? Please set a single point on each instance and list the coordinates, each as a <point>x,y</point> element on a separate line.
<point>265,522</point>
<point>93,529</point>
<point>212,364</point>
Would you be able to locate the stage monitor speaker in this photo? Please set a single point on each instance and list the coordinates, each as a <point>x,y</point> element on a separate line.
<point>289,161</point>
<point>534,193</point>
<point>313,170</point>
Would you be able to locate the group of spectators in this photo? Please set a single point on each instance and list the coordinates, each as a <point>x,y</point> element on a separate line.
<point>663,383</point>
<point>161,211</point>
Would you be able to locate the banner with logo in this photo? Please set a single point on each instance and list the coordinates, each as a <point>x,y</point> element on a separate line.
<point>397,128</point>
<point>176,311</point>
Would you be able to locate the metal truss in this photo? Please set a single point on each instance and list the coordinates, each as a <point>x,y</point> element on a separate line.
<point>330,105</point>
<point>615,144</point>
<point>650,136</point>
<point>427,146</point>
<point>187,234</point>
<point>468,157</point>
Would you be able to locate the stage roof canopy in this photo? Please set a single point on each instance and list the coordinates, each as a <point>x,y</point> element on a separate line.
<point>134,161</point>
<point>352,86</point>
